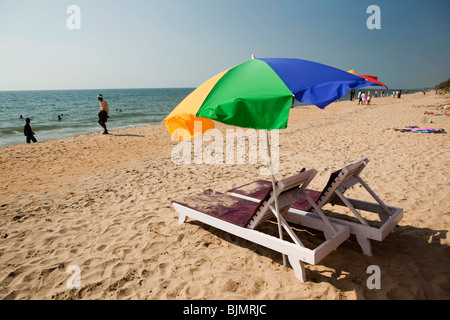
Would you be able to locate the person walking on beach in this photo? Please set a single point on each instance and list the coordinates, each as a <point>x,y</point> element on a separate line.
<point>359,98</point>
<point>103,114</point>
<point>28,132</point>
<point>363,97</point>
<point>369,97</point>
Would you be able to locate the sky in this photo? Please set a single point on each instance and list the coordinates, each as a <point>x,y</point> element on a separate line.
<point>182,43</point>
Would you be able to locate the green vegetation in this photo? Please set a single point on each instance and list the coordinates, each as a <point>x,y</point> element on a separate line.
<point>444,86</point>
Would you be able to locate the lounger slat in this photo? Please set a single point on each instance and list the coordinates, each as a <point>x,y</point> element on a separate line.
<point>222,206</point>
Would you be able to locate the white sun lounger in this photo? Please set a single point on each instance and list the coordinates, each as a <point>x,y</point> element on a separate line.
<point>333,193</point>
<point>241,217</point>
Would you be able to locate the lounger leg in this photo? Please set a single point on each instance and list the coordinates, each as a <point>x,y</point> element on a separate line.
<point>365,245</point>
<point>182,219</point>
<point>299,268</point>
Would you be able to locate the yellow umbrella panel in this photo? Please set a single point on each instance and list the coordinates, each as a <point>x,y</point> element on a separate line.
<point>180,122</point>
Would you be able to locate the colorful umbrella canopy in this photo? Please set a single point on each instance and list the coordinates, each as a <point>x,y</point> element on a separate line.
<point>373,79</point>
<point>259,93</point>
<point>369,78</point>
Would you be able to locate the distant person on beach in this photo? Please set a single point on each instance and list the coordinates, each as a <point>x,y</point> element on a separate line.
<point>369,97</point>
<point>359,98</point>
<point>103,114</point>
<point>363,97</point>
<point>28,132</point>
<point>399,94</point>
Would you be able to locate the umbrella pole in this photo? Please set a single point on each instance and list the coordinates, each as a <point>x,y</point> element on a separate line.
<point>277,209</point>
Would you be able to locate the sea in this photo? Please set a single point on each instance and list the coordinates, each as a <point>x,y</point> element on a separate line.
<point>57,114</point>
<point>78,109</point>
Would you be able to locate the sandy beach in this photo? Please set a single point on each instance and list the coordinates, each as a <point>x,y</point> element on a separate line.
<point>103,203</point>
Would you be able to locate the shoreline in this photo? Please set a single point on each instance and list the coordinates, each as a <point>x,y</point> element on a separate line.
<point>93,129</point>
<point>86,134</point>
<point>103,203</point>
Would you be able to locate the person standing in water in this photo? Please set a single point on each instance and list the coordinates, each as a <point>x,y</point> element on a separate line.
<point>103,114</point>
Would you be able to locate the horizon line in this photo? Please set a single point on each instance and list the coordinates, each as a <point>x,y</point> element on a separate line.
<point>138,88</point>
<point>10,90</point>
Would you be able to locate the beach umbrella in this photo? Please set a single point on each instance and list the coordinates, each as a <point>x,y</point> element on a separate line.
<point>259,94</point>
<point>369,78</point>
<point>373,79</point>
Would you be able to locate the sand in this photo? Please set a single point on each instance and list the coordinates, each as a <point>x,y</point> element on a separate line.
<point>102,203</point>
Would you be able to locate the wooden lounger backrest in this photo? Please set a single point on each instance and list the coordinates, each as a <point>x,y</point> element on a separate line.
<point>343,178</point>
<point>288,191</point>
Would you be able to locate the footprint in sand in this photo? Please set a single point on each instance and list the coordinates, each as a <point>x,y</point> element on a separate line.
<point>101,247</point>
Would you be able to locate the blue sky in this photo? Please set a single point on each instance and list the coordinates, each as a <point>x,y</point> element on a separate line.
<point>182,43</point>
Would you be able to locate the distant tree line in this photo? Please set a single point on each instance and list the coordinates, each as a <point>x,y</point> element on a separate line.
<point>444,86</point>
